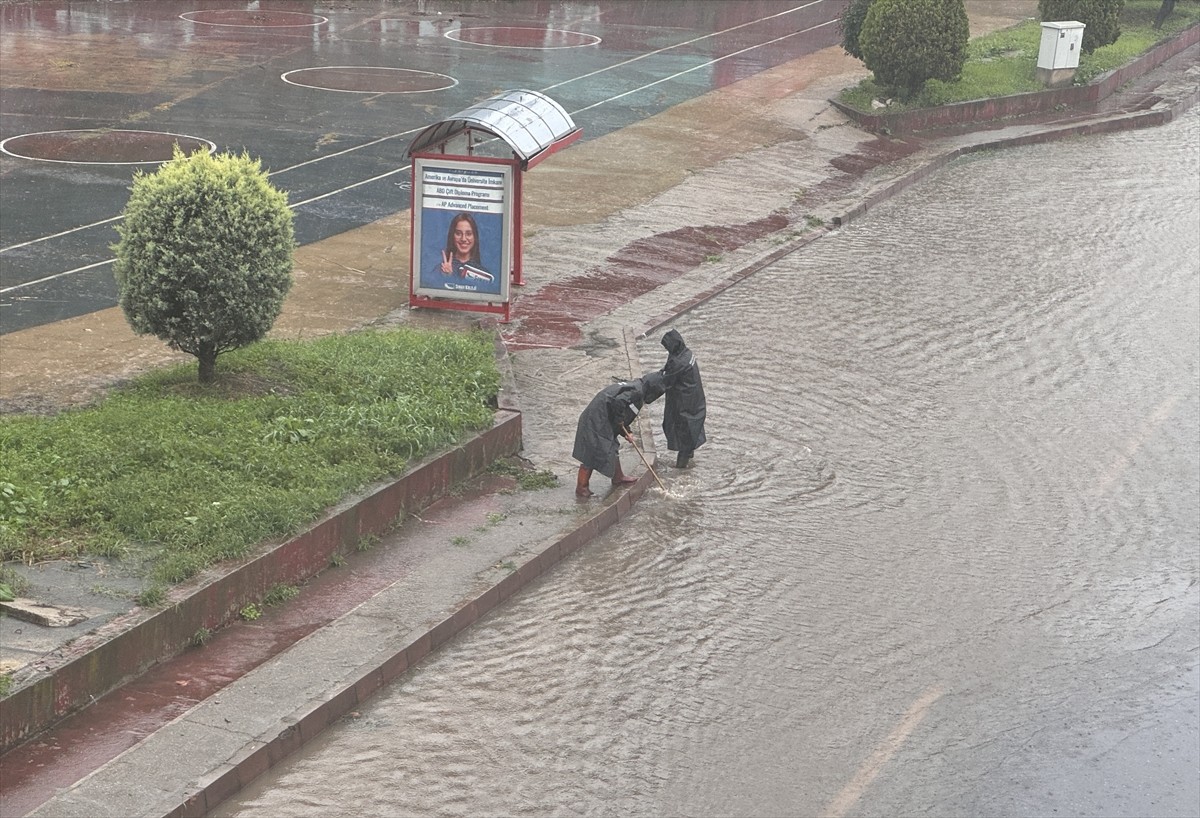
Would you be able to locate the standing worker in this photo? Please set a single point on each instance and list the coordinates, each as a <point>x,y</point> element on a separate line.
<point>683,415</point>
<point>606,418</point>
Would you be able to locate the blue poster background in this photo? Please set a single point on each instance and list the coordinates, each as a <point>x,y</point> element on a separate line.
<point>435,224</point>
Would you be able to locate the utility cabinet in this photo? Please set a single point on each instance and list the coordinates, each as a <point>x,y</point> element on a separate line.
<point>1058,54</point>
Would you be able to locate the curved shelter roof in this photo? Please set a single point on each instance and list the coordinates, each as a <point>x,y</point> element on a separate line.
<point>529,122</point>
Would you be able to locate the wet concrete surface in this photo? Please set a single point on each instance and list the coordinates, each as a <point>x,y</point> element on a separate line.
<point>117,722</point>
<point>327,101</point>
<point>350,280</point>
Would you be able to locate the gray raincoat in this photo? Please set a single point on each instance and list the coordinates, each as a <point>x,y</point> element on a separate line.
<point>601,424</point>
<point>683,414</point>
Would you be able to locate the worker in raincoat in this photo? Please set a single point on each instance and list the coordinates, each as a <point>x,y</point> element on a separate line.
<point>683,414</point>
<point>608,417</point>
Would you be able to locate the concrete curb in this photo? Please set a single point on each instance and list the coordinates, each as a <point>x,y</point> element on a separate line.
<point>307,721</point>
<point>127,646</point>
<point>1158,114</point>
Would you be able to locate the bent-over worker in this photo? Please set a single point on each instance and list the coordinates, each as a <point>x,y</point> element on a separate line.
<point>608,417</point>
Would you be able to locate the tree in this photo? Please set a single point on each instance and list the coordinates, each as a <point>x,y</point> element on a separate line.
<point>906,42</point>
<point>1164,11</point>
<point>1101,19</point>
<point>204,259</point>
<point>851,25</point>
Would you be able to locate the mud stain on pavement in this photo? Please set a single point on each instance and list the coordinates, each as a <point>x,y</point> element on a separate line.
<point>873,154</point>
<point>551,317</point>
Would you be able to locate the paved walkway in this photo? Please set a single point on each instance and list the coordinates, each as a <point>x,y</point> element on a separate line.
<point>446,568</point>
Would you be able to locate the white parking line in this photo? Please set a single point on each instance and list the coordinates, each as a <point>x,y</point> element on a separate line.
<point>1152,424</point>
<point>888,748</point>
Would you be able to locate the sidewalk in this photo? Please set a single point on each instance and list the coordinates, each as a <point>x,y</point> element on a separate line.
<point>226,712</point>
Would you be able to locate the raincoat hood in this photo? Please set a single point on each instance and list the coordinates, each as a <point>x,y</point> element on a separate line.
<point>652,386</point>
<point>673,342</point>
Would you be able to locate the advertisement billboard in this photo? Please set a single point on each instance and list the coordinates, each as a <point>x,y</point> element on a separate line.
<point>462,229</point>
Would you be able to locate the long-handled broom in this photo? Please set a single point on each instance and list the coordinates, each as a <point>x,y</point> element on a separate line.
<point>644,460</point>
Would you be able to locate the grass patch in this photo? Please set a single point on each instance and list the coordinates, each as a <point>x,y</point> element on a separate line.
<point>111,593</point>
<point>528,479</point>
<point>280,593</point>
<point>151,597</point>
<point>1005,62</point>
<point>13,584</point>
<point>194,474</point>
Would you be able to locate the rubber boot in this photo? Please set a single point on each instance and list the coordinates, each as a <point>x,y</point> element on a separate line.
<point>620,477</point>
<point>581,483</point>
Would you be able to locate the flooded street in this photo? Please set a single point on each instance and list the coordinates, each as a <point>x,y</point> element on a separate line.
<point>940,555</point>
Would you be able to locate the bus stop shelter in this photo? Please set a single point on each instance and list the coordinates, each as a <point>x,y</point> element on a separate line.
<point>466,198</point>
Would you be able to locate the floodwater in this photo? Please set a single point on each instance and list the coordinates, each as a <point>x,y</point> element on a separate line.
<point>940,556</point>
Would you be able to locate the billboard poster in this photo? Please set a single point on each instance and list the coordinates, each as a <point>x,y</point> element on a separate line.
<point>462,229</point>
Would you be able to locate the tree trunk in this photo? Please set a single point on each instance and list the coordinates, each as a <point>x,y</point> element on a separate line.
<point>1164,11</point>
<point>208,364</point>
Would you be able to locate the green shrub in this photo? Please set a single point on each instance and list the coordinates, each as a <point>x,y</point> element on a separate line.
<point>1101,18</point>
<point>205,256</point>
<point>851,26</point>
<point>906,42</point>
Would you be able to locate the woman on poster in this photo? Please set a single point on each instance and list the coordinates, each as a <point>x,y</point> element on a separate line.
<point>461,256</point>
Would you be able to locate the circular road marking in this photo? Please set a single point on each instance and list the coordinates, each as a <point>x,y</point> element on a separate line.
<point>242,18</point>
<point>368,79</point>
<point>514,37</point>
<point>115,147</point>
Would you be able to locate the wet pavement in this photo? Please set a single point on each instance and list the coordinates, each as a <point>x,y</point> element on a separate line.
<point>327,96</point>
<point>697,235</point>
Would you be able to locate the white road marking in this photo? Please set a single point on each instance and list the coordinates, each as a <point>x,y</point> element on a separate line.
<point>848,797</point>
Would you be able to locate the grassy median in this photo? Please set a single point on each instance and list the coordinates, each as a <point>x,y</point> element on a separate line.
<point>186,475</point>
<point>1005,62</point>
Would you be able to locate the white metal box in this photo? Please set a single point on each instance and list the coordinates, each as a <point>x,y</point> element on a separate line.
<point>1060,45</point>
